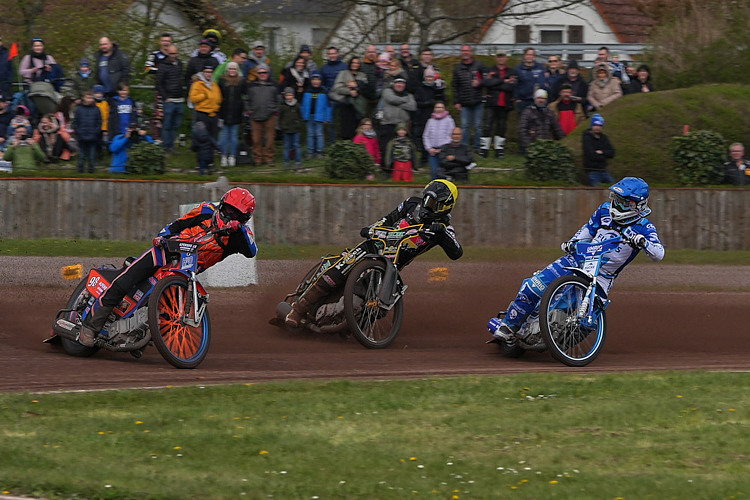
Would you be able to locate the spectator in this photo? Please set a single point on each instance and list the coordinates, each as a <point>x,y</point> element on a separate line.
<point>468,95</point>
<point>54,142</point>
<point>256,57</point>
<point>366,136</point>
<point>499,83</point>
<point>203,146</point>
<point>425,61</point>
<point>316,112</point>
<point>122,111</point>
<point>348,91</point>
<point>642,81</point>
<point>233,87</point>
<point>530,76</point>
<point>263,105</point>
<point>329,72</point>
<point>239,56</point>
<point>568,111</point>
<point>603,90</point>
<point>437,133</point>
<point>6,72</point>
<point>23,153</point>
<point>554,72</point>
<point>290,125</point>
<point>83,80</point>
<point>121,143</point>
<point>374,74</point>
<point>737,168</point>
<point>6,115</point>
<point>155,58</point>
<point>602,59</point>
<point>88,126</point>
<point>21,120</point>
<point>538,122</point>
<point>297,77</point>
<point>169,87</point>
<point>205,95</point>
<point>200,61</point>
<point>398,104</point>
<point>577,84</point>
<point>113,66</point>
<point>391,52</point>
<point>306,54</point>
<point>103,105</point>
<point>401,155</point>
<point>596,150</point>
<point>619,70</point>
<point>455,158</point>
<point>214,37</point>
<point>395,70</point>
<point>63,114</point>
<point>426,96</point>
<point>412,67</point>
<point>37,65</point>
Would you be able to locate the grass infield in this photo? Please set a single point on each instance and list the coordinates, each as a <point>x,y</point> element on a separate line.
<point>51,247</point>
<point>554,436</point>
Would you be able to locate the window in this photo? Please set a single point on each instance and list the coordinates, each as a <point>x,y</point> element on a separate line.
<point>523,34</point>
<point>271,38</point>
<point>550,36</point>
<point>319,36</point>
<point>575,34</point>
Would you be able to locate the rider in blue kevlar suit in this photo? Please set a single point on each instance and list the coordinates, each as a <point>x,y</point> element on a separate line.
<point>624,215</point>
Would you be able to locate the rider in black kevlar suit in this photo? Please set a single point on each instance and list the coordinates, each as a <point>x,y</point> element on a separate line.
<point>432,209</point>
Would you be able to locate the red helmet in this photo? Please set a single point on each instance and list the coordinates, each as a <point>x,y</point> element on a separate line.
<point>236,204</point>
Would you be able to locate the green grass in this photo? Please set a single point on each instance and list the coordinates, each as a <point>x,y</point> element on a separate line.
<point>638,435</point>
<point>51,247</point>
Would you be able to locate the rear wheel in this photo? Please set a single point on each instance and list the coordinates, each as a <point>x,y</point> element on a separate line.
<point>71,346</point>
<point>182,345</point>
<point>372,326</point>
<point>570,340</point>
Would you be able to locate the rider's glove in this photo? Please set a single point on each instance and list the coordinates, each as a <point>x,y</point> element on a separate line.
<point>437,228</point>
<point>365,232</point>
<point>639,241</point>
<point>234,226</point>
<point>568,246</point>
<point>159,242</point>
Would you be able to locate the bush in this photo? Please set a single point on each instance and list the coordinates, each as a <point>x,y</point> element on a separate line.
<point>146,158</point>
<point>548,160</point>
<point>699,157</point>
<point>347,160</point>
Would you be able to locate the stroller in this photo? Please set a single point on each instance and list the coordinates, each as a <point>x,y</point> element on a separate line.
<point>44,97</point>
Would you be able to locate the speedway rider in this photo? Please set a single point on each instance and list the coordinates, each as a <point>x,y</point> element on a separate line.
<point>432,209</point>
<point>228,219</point>
<point>624,215</point>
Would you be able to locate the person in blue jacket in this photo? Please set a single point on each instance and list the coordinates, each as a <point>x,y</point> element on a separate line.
<point>316,111</point>
<point>529,77</point>
<point>120,145</point>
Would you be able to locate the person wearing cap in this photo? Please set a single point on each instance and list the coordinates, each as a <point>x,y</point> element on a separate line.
<point>568,112</point>
<point>199,61</point>
<point>596,150</point>
<point>316,112</point>
<point>233,89</point>
<point>205,94</point>
<point>329,72</point>
<point>83,80</point>
<point>214,37</point>
<point>306,53</point>
<point>239,56</point>
<point>256,56</point>
<point>573,78</point>
<point>499,83</point>
<point>263,106</point>
<point>113,66</point>
<point>169,87</point>
<point>538,122</point>
<point>468,95</point>
<point>530,76</point>
<point>642,80</point>
<point>604,89</point>
<point>398,105</point>
<point>290,125</point>
<point>7,74</point>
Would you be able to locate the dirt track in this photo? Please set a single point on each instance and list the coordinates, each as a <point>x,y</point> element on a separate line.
<point>443,332</point>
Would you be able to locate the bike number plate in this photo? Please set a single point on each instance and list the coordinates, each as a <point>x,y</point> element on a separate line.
<point>589,267</point>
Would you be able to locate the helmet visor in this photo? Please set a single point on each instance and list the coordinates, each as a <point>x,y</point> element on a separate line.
<point>621,204</point>
<point>228,212</point>
<point>430,202</point>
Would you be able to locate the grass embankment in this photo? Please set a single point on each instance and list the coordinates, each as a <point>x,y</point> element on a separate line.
<point>51,247</point>
<point>660,435</point>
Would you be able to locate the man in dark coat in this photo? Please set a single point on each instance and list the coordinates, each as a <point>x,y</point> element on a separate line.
<point>529,77</point>
<point>468,95</point>
<point>577,84</point>
<point>737,169</point>
<point>6,72</point>
<point>200,61</point>
<point>169,86</point>
<point>112,66</point>
<point>596,150</point>
<point>454,158</point>
<point>499,83</point>
<point>538,122</point>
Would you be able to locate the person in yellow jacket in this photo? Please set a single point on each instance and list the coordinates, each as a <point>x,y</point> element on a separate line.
<point>205,95</point>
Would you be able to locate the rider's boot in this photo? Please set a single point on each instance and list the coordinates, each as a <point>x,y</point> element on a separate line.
<point>502,332</point>
<point>93,325</point>
<point>304,304</point>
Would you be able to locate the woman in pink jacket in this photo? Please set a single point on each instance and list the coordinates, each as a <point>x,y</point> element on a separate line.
<point>437,133</point>
<point>367,136</point>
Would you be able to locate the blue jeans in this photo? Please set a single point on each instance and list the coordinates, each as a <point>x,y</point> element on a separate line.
<point>471,116</point>
<point>173,114</point>
<point>334,121</point>
<point>228,139</point>
<point>434,165</point>
<point>597,177</point>
<point>315,137</point>
<point>291,142</point>
<point>87,151</point>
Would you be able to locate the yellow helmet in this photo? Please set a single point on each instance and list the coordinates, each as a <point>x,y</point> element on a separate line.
<point>438,199</point>
<point>212,33</point>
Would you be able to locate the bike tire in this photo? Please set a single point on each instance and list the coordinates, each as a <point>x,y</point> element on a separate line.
<point>373,327</point>
<point>182,346</point>
<point>511,351</point>
<point>569,342</point>
<point>72,347</point>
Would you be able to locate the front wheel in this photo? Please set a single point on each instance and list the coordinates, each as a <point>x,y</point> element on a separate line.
<point>570,340</point>
<point>182,345</point>
<point>372,326</point>
<point>72,347</point>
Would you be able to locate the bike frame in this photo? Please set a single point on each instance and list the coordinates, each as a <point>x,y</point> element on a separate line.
<point>186,265</point>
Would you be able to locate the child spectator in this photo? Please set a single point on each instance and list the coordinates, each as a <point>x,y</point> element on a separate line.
<point>83,80</point>
<point>64,115</point>
<point>366,135</point>
<point>316,111</point>
<point>596,150</point>
<point>22,152</point>
<point>121,143</point>
<point>290,124</point>
<point>20,120</point>
<point>401,155</point>
<point>437,133</point>
<point>6,115</point>
<point>122,111</point>
<point>88,126</point>
<point>54,141</point>
<point>103,106</point>
<point>204,146</point>
<point>619,70</point>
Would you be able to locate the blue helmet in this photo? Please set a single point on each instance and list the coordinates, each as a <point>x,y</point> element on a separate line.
<point>629,200</point>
